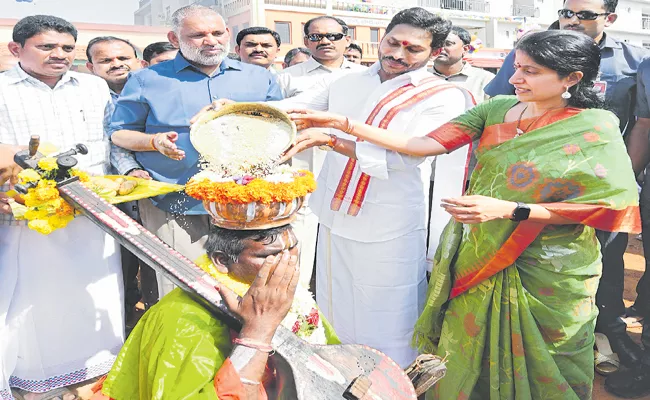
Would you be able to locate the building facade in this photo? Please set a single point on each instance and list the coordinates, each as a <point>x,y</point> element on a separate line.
<point>494,22</point>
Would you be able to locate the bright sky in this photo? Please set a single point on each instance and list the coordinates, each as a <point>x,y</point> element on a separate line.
<point>98,11</point>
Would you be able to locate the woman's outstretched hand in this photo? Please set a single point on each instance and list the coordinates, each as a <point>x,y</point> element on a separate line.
<point>305,119</point>
<point>477,209</point>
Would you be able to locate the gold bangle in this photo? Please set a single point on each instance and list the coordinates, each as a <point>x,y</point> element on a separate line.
<point>349,127</point>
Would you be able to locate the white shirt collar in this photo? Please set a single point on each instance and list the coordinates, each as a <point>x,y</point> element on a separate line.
<point>17,74</point>
<point>311,65</point>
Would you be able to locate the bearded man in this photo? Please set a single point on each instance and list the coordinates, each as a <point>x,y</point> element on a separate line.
<point>152,116</point>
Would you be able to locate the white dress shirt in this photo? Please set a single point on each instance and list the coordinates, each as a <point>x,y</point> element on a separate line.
<point>76,110</point>
<point>396,200</point>
<point>300,77</point>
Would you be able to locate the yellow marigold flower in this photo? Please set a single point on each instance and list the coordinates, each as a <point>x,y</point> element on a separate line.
<point>35,213</point>
<point>45,191</point>
<point>28,175</point>
<point>47,164</point>
<point>60,221</point>
<point>40,226</point>
<point>83,176</point>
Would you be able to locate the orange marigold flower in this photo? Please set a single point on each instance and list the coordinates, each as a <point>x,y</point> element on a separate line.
<point>258,190</point>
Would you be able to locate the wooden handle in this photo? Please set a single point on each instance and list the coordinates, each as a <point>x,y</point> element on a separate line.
<point>34,142</point>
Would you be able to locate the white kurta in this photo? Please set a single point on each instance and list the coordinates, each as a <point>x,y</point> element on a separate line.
<point>371,267</point>
<point>61,295</point>
<point>294,81</point>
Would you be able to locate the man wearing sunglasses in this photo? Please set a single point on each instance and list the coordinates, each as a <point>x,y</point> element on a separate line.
<point>617,82</point>
<point>327,38</point>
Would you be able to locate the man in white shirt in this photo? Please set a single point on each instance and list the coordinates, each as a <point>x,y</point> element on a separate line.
<point>258,45</point>
<point>372,203</point>
<point>61,299</point>
<point>327,38</point>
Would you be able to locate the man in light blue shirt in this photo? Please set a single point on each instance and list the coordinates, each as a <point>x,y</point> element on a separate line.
<point>152,116</point>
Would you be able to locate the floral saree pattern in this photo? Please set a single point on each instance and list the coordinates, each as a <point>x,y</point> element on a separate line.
<point>512,305</point>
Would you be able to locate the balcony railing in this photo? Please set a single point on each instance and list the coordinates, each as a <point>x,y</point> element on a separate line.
<point>365,8</point>
<point>519,10</point>
<point>645,22</point>
<point>461,5</point>
<point>299,3</point>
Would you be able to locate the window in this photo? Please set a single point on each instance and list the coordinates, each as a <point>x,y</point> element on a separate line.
<point>645,21</point>
<point>352,32</point>
<point>284,29</point>
<point>374,35</point>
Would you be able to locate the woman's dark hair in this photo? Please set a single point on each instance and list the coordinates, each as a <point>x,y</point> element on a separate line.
<point>31,26</point>
<point>418,17</point>
<point>565,52</point>
<point>232,242</point>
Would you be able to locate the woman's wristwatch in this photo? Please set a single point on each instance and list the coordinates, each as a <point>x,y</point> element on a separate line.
<point>521,213</point>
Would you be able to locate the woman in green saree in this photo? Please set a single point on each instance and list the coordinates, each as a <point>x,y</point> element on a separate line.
<point>511,296</point>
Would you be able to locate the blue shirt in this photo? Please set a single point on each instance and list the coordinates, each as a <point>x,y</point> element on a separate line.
<point>619,62</point>
<point>164,97</point>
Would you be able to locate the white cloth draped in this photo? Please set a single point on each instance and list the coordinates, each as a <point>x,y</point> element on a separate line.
<point>61,306</point>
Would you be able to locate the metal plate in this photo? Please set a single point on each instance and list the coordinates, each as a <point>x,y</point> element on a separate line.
<point>242,133</point>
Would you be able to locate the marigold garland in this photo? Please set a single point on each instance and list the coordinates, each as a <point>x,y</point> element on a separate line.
<point>257,190</point>
<point>46,210</point>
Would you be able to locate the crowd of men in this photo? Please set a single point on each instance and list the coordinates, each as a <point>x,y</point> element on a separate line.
<point>135,114</point>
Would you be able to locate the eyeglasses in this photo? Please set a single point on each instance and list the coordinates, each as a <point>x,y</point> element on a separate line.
<point>582,15</point>
<point>332,37</point>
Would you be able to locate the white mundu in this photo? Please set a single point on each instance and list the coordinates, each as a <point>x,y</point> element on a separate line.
<point>371,257</point>
<point>61,295</point>
<point>294,81</point>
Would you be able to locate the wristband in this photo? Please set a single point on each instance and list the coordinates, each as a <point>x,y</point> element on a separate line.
<point>254,344</point>
<point>349,127</point>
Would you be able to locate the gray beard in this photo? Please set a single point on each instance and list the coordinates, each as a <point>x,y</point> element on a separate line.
<point>193,54</point>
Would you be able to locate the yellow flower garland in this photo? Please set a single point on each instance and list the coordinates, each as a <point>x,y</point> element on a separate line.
<point>46,210</point>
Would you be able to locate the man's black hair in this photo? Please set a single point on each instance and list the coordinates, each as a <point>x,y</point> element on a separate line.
<point>104,39</point>
<point>464,36</point>
<point>610,5</point>
<point>258,30</point>
<point>418,17</point>
<point>155,49</point>
<point>356,47</point>
<point>31,26</point>
<point>294,52</point>
<point>344,25</point>
<point>231,242</point>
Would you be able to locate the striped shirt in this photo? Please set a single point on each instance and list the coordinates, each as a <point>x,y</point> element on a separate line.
<point>76,110</point>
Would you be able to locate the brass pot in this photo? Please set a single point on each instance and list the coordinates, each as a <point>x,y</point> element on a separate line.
<point>253,215</point>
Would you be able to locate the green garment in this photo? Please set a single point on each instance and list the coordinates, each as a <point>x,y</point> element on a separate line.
<point>174,352</point>
<point>526,330</point>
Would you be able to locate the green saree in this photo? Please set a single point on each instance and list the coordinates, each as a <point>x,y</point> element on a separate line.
<point>174,352</point>
<point>511,304</point>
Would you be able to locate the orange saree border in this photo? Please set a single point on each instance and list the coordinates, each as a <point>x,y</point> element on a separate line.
<point>523,235</point>
<point>605,219</point>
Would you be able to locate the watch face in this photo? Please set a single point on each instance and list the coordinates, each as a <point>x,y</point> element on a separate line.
<point>522,212</point>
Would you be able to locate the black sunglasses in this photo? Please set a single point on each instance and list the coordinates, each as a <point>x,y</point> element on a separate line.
<point>582,15</point>
<point>332,37</point>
